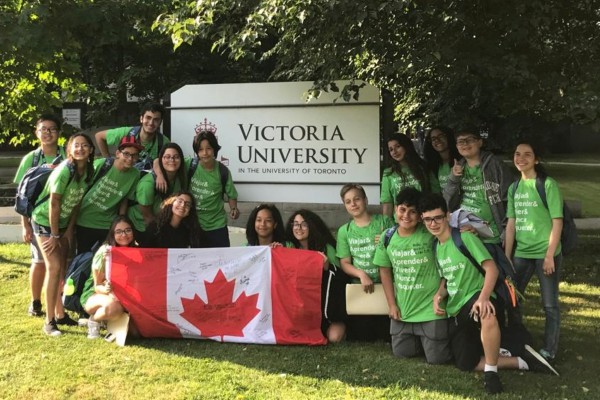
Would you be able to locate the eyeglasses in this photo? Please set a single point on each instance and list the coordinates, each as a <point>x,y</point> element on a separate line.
<point>171,158</point>
<point>129,155</point>
<point>82,146</point>
<point>438,138</point>
<point>437,219</point>
<point>300,225</point>
<point>121,232</point>
<point>43,129</point>
<point>181,202</point>
<point>467,141</point>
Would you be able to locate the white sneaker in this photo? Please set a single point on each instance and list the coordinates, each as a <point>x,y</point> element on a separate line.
<point>93,329</point>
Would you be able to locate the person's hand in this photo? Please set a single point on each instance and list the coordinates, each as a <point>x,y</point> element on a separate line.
<point>107,287</point>
<point>234,213</point>
<point>377,237</point>
<point>482,308</point>
<point>51,244</point>
<point>394,312</point>
<point>69,236</point>
<point>549,266</point>
<point>457,169</point>
<point>468,228</point>
<point>27,233</point>
<point>367,283</point>
<point>275,245</point>
<point>325,261</point>
<point>437,301</point>
<point>161,184</point>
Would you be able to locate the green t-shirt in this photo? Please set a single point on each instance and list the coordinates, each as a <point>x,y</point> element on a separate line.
<point>474,199</point>
<point>533,221</point>
<point>146,195</point>
<point>443,175</point>
<point>27,162</point>
<point>114,136</point>
<point>414,271</point>
<point>71,195</point>
<point>358,243</point>
<point>331,257</point>
<point>98,264</point>
<point>392,184</point>
<point>101,203</point>
<point>208,192</point>
<point>464,279</point>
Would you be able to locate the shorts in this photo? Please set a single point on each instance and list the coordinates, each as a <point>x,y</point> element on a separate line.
<point>36,252</point>
<point>465,336</point>
<point>40,230</point>
<point>430,338</point>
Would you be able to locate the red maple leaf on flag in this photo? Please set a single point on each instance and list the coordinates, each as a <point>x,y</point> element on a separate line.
<point>220,315</point>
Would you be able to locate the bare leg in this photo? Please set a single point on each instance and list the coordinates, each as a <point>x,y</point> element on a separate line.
<point>336,332</point>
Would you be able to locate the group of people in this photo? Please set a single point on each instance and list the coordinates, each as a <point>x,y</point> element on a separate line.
<point>440,305</point>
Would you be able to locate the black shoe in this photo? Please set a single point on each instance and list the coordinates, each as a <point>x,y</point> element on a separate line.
<point>35,309</point>
<point>51,329</point>
<point>66,320</point>
<point>491,382</point>
<point>536,362</point>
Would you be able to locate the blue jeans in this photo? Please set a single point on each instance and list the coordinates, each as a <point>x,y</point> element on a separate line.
<point>525,268</point>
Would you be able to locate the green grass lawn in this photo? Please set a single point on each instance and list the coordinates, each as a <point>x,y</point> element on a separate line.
<point>34,366</point>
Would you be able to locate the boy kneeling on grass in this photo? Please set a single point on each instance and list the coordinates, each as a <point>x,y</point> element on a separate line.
<point>475,332</point>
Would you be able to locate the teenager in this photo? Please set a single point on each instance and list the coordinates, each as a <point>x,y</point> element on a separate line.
<point>265,227</point>
<point>440,152</point>
<point>533,232</point>
<point>306,230</point>
<point>410,279</point>
<point>405,169</point>
<point>356,243</point>
<point>53,223</point>
<point>47,131</point>
<point>475,331</point>
<point>97,298</point>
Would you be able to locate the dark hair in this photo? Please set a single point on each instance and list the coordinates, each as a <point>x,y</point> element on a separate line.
<point>212,140</point>
<point>409,196</point>
<point>153,107</point>
<point>349,186</point>
<point>468,131</point>
<point>432,201</point>
<point>319,234</point>
<point>537,153</point>
<point>432,157</point>
<point>90,161</point>
<point>181,173</point>
<point>278,232</point>
<point>49,117</point>
<point>190,222</point>
<point>415,164</point>
<point>110,238</point>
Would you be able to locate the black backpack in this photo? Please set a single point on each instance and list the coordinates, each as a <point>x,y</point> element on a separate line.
<point>223,173</point>
<point>568,236</point>
<point>145,161</point>
<point>32,185</point>
<point>505,287</point>
<point>78,273</point>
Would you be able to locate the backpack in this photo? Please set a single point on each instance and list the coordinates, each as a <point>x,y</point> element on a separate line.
<point>505,287</point>
<point>108,162</point>
<point>223,173</point>
<point>387,236</point>
<point>32,185</point>
<point>78,274</point>
<point>145,162</point>
<point>568,236</point>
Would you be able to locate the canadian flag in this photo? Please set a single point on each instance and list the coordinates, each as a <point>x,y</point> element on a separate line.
<point>238,294</point>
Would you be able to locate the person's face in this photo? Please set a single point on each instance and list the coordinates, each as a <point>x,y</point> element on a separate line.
<point>407,216</point>
<point>151,121</point>
<point>524,158</point>
<point>397,152</point>
<point>264,224</point>
<point>438,140</point>
<point>47,132</point>
<point>182,206</point>
<point>354,202</point>
<point>206,153</point>
<point>80,148</point>
<point>171,160</point>
<point>468,145</point>
<point>123,234</point>
<point>300,228</point>
<point>128,156</point>
<point>435,221</point>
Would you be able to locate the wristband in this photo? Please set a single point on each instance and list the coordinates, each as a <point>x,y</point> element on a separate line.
<point>55,236</point>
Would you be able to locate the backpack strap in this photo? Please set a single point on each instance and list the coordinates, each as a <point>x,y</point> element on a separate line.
<point>387,237</point>
<point>460,245</point>
<point>192,170</point>
<point>55,162</point>
<point>37,156</point>
<point>540,185</point>
<point>108,162</point>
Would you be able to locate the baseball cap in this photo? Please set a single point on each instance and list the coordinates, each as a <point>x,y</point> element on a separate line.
<point>129,141</point>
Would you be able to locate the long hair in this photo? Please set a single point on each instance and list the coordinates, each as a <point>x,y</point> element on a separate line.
<point>110,238</point>
<point>415,164</point>
<point>540,170</point>
<point>212,140</point>
<point>432,157</point>
<point>181,173</point>
<point>190,222</point>
<point>90,161</point>
<point>319,235</point>
<point>278,231</point>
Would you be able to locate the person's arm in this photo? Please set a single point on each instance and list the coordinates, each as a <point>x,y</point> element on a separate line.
<point>387,209</point>
<point>101,285</point>
<point>509,239</point>
<point>147,214</point>
<point>388,288</point>
<point>555,233</point>
<point>451,191</point>
<point>161,183</point>
<point>123,206</point>
<point>483,307</point>
<point>27,231</point>
<point>365,280</point>
<point>234,213</point>
<point>438,297</point>
<point>71,227</point>
<point>53,216</point>
<point>102,144</point>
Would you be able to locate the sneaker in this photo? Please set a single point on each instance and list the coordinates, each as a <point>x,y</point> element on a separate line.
<point>82,322</point>
<point>35,309</point>
<point>66,320</point>
<point>549,357</point>
<point>537,362</point>
<point>51,329</point>
<point>93,329</point>
<point>491,382</point>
